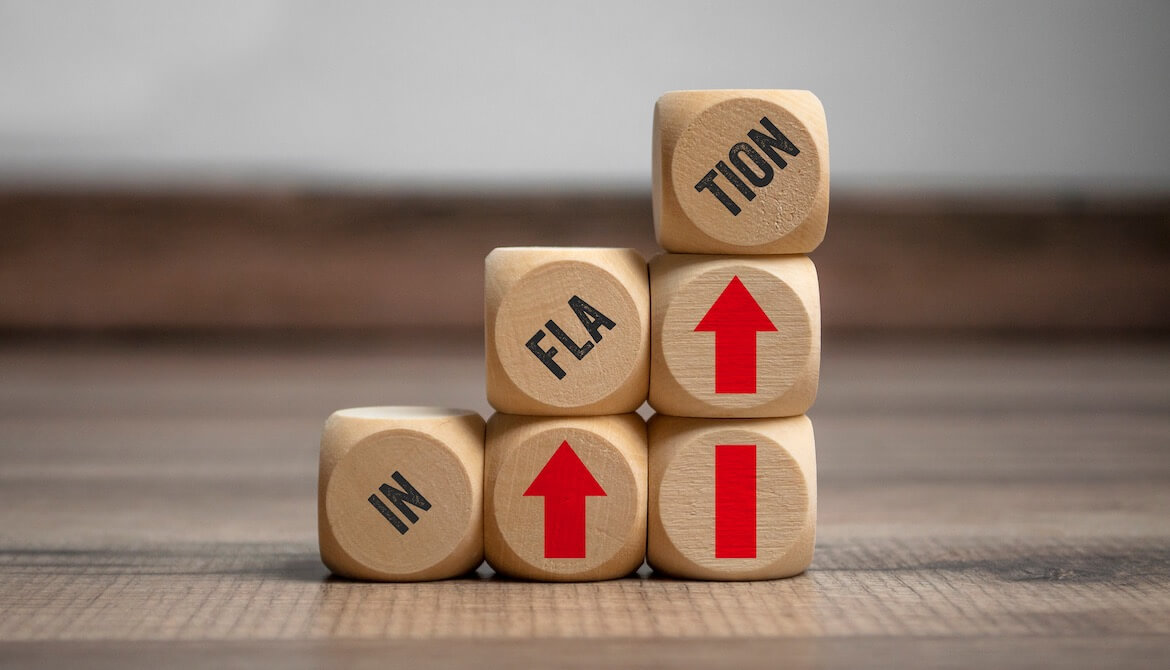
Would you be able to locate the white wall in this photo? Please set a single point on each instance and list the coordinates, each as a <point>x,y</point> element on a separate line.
<point>1055,93</point>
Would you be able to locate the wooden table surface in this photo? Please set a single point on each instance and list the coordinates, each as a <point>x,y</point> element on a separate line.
<point>989,503</point>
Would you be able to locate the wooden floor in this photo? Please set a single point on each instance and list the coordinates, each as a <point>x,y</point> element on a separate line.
<point>982,503</point>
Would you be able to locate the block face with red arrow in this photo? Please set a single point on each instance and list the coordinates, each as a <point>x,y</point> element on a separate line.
<point>731,498</point>
<point>734,336</point>
<point>565,497</point>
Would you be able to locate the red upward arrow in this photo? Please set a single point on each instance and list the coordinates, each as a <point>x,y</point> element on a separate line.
<point>735,318</point>
<point>564,483</point>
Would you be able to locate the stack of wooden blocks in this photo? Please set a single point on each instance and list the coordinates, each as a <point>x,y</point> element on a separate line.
<point>721,334</point>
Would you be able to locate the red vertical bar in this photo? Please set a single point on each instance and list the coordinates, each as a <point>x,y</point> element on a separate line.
<point>735,501</point>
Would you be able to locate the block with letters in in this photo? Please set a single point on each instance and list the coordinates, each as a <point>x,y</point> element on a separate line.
<point>567,330</point>
<point>734,336</point>
<point>740,172</point>
<point>400,493</point>
<point>731,499</point>
<point>565,497</point>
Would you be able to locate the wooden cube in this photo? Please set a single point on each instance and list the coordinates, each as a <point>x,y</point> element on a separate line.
<point>567,330</point>
<point>400,493</point>
<point>565,497</point>
<point>740,172</point>
<point>734,336</point>
<point>732,499</point>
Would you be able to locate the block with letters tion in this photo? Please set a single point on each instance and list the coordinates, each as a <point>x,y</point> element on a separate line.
<point>740,172</point>
<point>567,330</point>
<point>731,499</point>
<point>565,497</point>
<point>734,336</point>
<point>400,493</point>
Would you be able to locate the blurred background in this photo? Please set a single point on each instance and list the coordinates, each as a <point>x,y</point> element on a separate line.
<point>309,168</point>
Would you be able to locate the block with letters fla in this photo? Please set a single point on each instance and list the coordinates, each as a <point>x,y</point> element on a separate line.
<point>567,330</point>
<point>400,493</point>
<point>734,336</point>
<point>565,497</point>
<point>731,499</point>
<point>740,172</point>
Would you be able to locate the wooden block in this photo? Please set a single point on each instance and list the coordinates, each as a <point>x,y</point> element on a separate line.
<point>565,497</point>
<point>400,493</point>
<point>732,499</point>
<point>567,330</point>
<point>734,336</point>
<point>740,172</point>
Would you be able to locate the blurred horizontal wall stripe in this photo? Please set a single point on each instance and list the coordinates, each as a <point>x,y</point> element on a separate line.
<point>291,259</point>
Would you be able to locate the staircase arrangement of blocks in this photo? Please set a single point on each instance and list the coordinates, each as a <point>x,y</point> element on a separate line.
<point>720,333</point>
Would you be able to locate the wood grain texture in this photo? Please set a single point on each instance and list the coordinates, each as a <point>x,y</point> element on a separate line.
<point>566,330</point>
<point>740,172</point>
<point>383,467</point>
<point>928,652</point>
<point>517,527</point>
<point>279,259</point>
<point>781,304</point>
<point>980,502</point>
<point>684,484</point>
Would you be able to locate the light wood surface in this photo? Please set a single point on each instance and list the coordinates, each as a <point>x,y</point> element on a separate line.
<point>400,492</point>
<point>566,330</point>
<point>703,308</point>
<point>980,503</point>
<point>685,488</point>
<point>740,172</point>
<point>598,462</point>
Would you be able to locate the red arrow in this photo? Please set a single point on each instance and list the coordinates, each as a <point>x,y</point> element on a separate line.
<point>564,483</point>
<point>735,318</point>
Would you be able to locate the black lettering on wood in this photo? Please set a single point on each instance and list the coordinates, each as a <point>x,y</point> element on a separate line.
<point>744,149</point>
<point>591,318</point>
<point>707,183</point>
<point>735,180</point>
<point>400,499</point>
<point>390,516</point>
<point>545,355</point>
<point>577,351</point>
<point>770,143</point>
